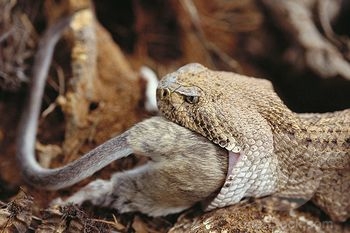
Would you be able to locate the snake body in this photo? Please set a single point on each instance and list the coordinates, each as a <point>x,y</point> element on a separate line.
<point>279,152</point>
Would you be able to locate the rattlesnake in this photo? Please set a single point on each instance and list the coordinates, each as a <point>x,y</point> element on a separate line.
<point>279,152</point>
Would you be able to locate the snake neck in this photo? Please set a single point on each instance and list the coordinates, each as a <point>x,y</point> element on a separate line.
<point>313,136</point>
<point>318,132</point>
<point>326,132</point>
<point>309,147</point>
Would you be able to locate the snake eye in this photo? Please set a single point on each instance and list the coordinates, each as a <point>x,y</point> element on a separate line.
<point>191,99</point>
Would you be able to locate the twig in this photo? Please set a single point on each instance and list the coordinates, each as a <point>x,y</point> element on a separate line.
<point>320,54</point>
<point>191,10</point>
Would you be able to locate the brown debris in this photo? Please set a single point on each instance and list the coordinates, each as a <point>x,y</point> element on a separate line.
<point>69,219</point>
<point>17,42</point>
<point>16,215</point>
<point>251,217</point>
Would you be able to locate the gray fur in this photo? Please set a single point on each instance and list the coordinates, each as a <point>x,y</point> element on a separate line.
<point>175,178</point>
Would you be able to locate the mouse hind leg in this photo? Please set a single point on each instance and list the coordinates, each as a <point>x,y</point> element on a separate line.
<point>95,192</point>
<point>142,189</point>
<point>145,189</point>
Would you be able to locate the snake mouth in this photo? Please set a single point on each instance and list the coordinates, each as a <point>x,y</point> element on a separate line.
<point>233,158</point>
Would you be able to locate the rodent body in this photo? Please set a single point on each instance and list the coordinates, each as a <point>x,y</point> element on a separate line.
<point>174,179</point>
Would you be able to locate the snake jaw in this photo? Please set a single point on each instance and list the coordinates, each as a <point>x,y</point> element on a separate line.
<point>246,178</point>
<point>234,148</point>
<point>173,105</point>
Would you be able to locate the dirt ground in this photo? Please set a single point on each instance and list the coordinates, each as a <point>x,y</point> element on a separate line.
<point>87,102</point>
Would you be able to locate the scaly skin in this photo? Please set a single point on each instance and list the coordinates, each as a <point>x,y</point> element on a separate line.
<point>281,153</point>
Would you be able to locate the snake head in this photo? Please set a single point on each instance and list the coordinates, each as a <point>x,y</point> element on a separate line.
<point>218,105</point>
<point>224,107</point>
<point>182,100</point>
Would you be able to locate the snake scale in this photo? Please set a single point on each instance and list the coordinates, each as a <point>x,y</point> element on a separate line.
<point>278,152</point>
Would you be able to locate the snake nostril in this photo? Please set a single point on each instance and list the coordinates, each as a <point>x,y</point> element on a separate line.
<point>163,93</point>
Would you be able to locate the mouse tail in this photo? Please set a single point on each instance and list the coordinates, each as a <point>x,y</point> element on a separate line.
<point>83,167</point>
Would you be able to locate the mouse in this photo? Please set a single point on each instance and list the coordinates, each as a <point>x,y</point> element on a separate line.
<point>184,168</point>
